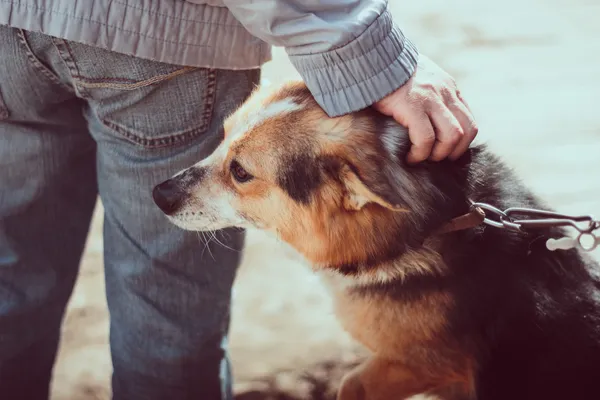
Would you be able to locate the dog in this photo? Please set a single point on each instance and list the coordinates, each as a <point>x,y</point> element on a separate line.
<point>447,306</point>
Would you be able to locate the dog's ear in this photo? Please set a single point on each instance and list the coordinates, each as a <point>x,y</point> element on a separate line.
<point>370,163</point>
<point>371,187</point>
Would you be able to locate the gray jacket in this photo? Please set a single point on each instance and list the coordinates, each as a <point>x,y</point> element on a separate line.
<point>349,52</point>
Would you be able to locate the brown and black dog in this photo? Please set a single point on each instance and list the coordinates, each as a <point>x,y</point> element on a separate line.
<point>476,313</point>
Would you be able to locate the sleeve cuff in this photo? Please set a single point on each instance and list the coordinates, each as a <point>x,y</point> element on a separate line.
<point>362,72</point>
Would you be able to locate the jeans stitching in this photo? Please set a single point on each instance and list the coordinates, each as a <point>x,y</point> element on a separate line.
<point>105,79</point>
<point>98,83</point>
<point>37,64</point>
<point>66,54</point>
<point>71,58</point>
<point>209,100</point>
<point>179,138</point>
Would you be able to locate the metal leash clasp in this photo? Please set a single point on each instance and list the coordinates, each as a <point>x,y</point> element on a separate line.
<point>519,219</point>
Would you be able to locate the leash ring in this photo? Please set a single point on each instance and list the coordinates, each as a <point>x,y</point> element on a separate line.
<point>587,241</point>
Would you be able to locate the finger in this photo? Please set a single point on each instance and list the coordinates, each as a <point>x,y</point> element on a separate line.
<point>462,100</point>
<point>469,127</point>
<point>422,137</point>
<point>448,132</point>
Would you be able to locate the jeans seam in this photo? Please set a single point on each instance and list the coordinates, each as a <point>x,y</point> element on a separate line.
<point>66,54</point>
<point>37,63</point>
<point>179,138</point>
<point>4,113</point>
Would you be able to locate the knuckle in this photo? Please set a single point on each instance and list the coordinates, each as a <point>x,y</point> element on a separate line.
<point>449,96</point>
<point>472,131</point>
<point>432,104</point>
<point>422,97</point>
<point>416,104</point>
<point>428,139</point>
<point>454,134</point>
<point>447,91</point>
<point>427,87</point>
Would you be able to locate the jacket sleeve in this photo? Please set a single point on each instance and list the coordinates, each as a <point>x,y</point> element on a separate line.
<point>349,52</point>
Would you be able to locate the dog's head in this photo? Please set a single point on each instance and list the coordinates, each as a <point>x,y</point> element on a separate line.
<point>337,189</point>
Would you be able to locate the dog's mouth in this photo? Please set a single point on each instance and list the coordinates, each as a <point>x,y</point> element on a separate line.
<point>182,209</point>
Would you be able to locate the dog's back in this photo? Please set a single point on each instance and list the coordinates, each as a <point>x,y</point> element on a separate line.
<point>530,316</point>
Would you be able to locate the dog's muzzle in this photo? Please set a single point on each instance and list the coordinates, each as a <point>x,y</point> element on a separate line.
<point>169,196</point>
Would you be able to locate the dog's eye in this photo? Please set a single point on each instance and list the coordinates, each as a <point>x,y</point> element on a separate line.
<point>239,173</point>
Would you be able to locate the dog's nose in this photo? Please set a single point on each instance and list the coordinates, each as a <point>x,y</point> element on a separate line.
<point>168,196</point>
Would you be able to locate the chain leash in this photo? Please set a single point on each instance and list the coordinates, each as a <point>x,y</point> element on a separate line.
<point>521,219</point>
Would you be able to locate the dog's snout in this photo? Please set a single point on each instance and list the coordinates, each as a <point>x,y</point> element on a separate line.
<point>169,196</point>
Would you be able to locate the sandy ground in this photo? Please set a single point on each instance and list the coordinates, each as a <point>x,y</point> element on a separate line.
<point>531,73</point>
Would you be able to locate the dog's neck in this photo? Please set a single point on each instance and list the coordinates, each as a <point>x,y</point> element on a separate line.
<point>412,246</point>
<point>426,260</point>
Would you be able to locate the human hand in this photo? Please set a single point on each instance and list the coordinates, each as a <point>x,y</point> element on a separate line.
<point>440,123</point>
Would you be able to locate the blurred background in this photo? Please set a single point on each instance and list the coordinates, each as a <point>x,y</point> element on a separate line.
<point>530,70</point>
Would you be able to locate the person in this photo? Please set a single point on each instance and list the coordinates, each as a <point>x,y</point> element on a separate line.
<point>111,97</point>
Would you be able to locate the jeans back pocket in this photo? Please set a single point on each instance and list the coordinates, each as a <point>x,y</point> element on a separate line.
<point>149,103</point>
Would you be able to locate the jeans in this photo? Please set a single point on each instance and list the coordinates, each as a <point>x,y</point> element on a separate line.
<point>77,122</point>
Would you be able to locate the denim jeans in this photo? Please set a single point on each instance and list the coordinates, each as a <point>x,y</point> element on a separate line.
<point>77,121</point>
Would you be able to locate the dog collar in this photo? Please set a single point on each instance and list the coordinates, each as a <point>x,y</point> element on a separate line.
<point>469,220</point>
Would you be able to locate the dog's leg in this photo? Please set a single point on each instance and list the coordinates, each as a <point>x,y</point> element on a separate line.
<point>381,379</point>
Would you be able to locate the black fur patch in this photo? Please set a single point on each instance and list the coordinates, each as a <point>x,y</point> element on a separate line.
<point>300,176</point>
<point>351,269</point>
<point>190,177</point>
<point>373,261</point>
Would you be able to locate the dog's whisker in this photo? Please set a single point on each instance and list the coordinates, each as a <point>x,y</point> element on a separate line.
<point>214,235</point>
<point>205,241</point>
<point>201,239</point>
<point>208,241</point>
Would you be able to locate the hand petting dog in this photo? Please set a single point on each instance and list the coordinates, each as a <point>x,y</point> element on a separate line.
<point>440,123</point>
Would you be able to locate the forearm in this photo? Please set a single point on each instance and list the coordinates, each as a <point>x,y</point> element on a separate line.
<point>349,53</point>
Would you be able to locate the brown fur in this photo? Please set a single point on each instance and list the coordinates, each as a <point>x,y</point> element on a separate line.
<point>330,231</point>
<point>444,315</point>
<point>335,228</point>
